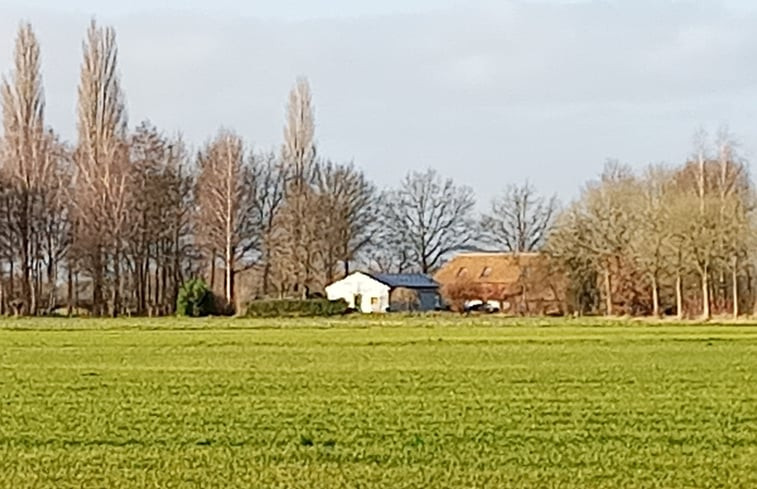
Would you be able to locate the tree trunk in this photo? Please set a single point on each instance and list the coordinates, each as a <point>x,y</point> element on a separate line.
<point>70,291</point>
<point>76,288</point>
<point>608,293</point>
<point>163,288</point>
<point>140,282</point>
<point>26,252</point>
<point>116,282</point>
<point>735,285</point>
<point>26,283</point>
<point>11,285</point>
<point>32,288</point>
<point>52,278</point>
<point>148,285</point>
<point>175,280</point>
<point>705,278</point>
<point>229,272</point>
<point>655,297</point>
<point>2,291</point>
<point>213,271</point>
<point>679,295</point>
<point>266,275</point>
<point>97,286</point>
<point>156,286</point>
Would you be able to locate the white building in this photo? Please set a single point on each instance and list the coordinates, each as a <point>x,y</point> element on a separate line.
<point>373,293</point>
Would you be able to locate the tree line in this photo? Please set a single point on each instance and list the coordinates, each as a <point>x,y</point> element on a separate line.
<point>667,240</point>
<point>117,220</point>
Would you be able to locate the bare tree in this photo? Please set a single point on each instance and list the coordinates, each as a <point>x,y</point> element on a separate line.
<point>102,168</point>
<point>388,251</point>
<point>703,240</point>
<point>159,215</point>
<point>520,219</point>
<point>570,249</point>
<point>26,160</point>
<point>226,205</point>
<point>653,242</point>
<point>433,215</point>
<point>269,179</point>
<point>53,227</point>
<point>735,207</point>
<point>602,225</point>
<point>717,183</point>
<point>7,244</point>
<point>147,150</point>
<point>297,235</point>
<point>347,211</point>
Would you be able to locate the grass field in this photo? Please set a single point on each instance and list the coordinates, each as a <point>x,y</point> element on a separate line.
<point>458,404</point>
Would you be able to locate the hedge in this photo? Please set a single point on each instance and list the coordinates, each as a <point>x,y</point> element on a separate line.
<point>296,308</point>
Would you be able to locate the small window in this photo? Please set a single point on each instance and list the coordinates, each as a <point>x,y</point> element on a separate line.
<point>374,301</point>
<point>486,272</point>
<point>462,272</point>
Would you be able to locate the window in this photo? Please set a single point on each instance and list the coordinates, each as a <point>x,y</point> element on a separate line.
<point>374,301</point>
<point>462,272</point>
<point>486,272</point>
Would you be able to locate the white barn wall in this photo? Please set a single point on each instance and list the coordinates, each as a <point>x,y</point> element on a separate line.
<point>363,285</point>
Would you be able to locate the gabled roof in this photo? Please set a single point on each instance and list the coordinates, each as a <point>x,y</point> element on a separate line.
<point>406,280</point>
<point>491,268</point>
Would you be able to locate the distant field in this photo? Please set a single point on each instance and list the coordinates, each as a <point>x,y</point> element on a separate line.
<point>390,403</point>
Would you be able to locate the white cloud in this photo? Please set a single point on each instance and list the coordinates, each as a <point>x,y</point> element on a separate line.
<point>488,92</point>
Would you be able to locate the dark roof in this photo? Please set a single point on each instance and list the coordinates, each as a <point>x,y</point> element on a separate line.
<point>407,280</point>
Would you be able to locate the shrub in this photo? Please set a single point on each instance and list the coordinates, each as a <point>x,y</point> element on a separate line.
<point>457,293</point>
<point>296,308</point>
<point>195,299</point>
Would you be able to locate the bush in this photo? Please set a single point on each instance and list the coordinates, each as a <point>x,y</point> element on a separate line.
<point>296,308</point>
<point>457,294</point>
<point>195,299</point>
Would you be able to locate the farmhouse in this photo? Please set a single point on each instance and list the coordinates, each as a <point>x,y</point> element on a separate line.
<point>377,293</point>
<point>515,283</point>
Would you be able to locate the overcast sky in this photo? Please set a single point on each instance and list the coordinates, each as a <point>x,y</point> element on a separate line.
<point>488,92</point>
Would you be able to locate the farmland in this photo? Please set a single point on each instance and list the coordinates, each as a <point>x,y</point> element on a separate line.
<point>351,403</point>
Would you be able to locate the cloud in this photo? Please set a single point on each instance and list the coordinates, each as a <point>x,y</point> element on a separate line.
<point>488,92</point>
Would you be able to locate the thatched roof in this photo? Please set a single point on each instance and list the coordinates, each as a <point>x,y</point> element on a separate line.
<point>491,268</point>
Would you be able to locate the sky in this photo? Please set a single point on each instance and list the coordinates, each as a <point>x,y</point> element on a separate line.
<point>488,92</point>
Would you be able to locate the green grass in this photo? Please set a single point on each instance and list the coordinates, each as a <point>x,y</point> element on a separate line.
<point>441,402</point>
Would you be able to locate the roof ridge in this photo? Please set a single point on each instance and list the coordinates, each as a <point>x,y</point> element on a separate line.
<point>502,253</point>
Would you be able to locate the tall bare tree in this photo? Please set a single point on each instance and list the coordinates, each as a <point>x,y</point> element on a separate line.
<point>717,182</point>
<point>298,234</point>
<point>25,158</point>
<point>433,215</point>
<point>520,219</point>
<point>735,206</point>
<point>226,205</point>
<point>652,243</point>
<point>102,165</point>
